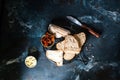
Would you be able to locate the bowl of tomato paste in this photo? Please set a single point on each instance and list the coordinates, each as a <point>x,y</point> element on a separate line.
<point>48,40</point>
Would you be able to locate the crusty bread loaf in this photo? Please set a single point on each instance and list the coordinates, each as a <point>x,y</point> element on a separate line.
<point>69,56</point>
<point>69,52</point>
<point>81,38</point>
<point>71,44</point>
<point>58,31</point>
<point>56,56</point>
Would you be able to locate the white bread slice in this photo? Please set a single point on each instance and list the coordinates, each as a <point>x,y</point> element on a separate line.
<point>71,45</point>
<point>69,56</point>
<point>56,56</point>
<point>81,38</point>
<point>58,31</point>
<point>60,45</point>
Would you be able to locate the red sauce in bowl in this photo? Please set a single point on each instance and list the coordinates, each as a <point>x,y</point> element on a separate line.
<point>48,39</point>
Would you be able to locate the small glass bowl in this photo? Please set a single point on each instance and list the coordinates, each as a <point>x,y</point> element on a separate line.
<point>48,40</point>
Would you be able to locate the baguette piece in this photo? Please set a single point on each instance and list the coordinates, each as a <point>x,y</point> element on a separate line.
<point>58,31</point>
<point>56,56</point>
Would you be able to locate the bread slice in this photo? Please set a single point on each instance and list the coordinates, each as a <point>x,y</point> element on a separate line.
<point>81,38</point>
<point>58,31</point>
<point>60,45</point>
<point>56,56</point>
<point>71,45</point>
<point>69,56</point>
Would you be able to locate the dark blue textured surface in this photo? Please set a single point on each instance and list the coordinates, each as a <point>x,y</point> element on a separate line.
<point>25,21</point>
